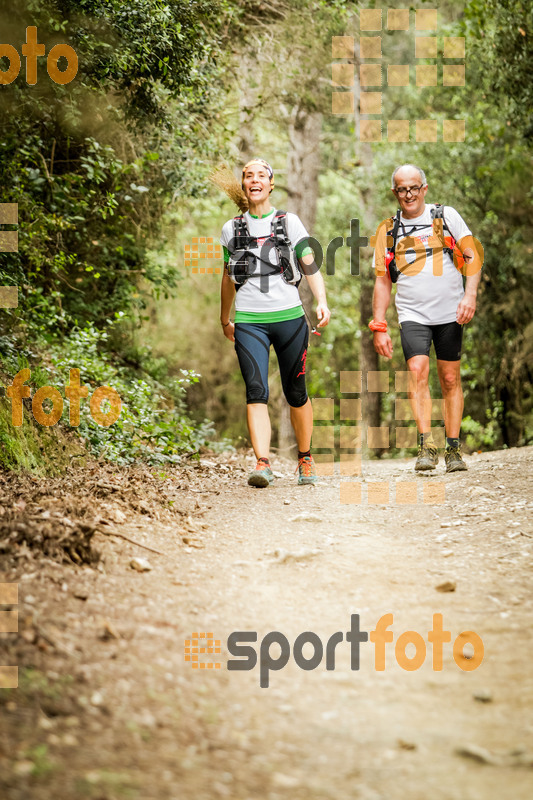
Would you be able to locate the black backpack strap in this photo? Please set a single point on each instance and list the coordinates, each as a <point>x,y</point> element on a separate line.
<point>438,213</point>
<point>242,242</point>
<point>241,234</point>
<point>283,245</point>
<point>391,267</point>
<point>278,228</point>
<point>394,231</point>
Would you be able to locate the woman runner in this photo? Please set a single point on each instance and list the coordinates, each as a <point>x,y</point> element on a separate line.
<point>268,311</point>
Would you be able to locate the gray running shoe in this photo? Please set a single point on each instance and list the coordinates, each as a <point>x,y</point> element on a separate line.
<point>261,476</point>
<point>427,458</point>
<point>306,470</point>
<point>453,459</point>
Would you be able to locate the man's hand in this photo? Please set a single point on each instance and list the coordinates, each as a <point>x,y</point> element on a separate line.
<point>466,309</point>
<point>229,331</point>
<point>383,344</point>
<point>323,315</point>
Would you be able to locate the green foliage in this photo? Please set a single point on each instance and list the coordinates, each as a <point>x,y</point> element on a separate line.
<point>92,165</point>
<point>500,56</point>
<point>481,437</point>
<point>152,425</point>
<point>85,162</point>
<point>42,763</point>
<point>103,167</point>
<point>33,448</point>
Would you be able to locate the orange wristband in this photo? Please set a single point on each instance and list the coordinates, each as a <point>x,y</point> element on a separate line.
<point>377,326</point>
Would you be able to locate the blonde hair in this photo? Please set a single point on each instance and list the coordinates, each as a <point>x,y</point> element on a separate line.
<point>223,177</point>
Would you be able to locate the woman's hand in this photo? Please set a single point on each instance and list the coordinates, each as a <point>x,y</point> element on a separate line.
<point>229,330</point>
<point>323,315</point>
<point>318,288</point>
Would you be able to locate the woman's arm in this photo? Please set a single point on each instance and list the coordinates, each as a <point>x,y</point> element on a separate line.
<point>227,293</point>
<point>317,286</point>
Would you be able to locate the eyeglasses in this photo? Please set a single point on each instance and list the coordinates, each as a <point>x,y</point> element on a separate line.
<point>414,190</point>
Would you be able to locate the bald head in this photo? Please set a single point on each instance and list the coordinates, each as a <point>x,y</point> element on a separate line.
<point>408,172</point>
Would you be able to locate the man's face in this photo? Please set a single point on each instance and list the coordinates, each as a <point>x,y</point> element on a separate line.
<point>411,203</point>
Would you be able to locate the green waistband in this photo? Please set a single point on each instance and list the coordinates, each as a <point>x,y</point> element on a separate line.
<point>269,316</point>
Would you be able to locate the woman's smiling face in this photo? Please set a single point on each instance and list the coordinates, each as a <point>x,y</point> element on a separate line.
<point>256,183</point>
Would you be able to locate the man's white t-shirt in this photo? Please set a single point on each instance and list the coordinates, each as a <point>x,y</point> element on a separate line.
<point>266,293</point>
<point>424,297</point>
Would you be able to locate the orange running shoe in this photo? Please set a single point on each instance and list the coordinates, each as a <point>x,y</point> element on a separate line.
<point>306,470</point>
<point>261,476</point>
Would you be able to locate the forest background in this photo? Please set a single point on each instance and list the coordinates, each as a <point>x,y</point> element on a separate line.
<point>110,173</point>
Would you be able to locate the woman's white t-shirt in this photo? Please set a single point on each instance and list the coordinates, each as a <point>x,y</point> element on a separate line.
<point>266,293</point>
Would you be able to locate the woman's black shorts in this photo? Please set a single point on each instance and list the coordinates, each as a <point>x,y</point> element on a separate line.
<point>290,339</point>
<point>417,338</point>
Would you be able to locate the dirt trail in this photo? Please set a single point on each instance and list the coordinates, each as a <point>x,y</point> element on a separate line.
<point>108,707</point>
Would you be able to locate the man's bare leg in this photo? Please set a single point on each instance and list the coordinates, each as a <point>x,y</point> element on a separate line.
<point>420,399</point>
<point>421,405</point>
<point>450,381</point>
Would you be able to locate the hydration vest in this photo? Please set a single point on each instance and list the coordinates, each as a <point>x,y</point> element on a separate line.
<point>448,242</point>
<point>243,263</point>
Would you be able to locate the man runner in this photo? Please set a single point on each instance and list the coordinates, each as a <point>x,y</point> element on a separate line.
<point>432,306</point>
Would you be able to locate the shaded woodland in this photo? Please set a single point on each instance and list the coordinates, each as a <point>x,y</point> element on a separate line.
<point>110,173</point>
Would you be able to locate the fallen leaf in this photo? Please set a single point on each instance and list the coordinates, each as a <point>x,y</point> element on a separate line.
<point>447,586</point>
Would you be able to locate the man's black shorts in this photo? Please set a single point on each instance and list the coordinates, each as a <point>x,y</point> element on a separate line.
<point>417,338</point>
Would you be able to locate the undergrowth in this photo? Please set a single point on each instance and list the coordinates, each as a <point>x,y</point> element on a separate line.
<point>153,425</point>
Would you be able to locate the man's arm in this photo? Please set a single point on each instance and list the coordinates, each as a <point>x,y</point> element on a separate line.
<point>467,307</point>
<point>317,286</point>
<point>380,303</point>
<point>227,293</point>
<point>472,252</point>
<point>473,261</point>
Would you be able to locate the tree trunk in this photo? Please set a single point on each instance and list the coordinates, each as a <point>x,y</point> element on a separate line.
<point>369,359</point>
<point>512,425</point>
<point>247,105</point>
<point>303,164</point>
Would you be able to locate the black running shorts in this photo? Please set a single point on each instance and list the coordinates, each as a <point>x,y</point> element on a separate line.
<point>290,339</point>
<point>417,338</point>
